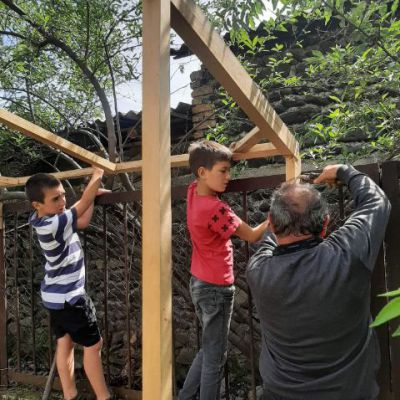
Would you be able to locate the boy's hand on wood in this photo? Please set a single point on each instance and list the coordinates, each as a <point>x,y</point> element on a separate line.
<point>232,146</point>
<point>101,191</point>
<point>97,172</point>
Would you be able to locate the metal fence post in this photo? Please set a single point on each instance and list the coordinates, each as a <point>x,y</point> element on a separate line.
<point>3,304</point>
<point>378,286</point>
<point>390,185</point>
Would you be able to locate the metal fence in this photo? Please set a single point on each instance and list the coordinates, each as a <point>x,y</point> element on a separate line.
<point>112,247</point>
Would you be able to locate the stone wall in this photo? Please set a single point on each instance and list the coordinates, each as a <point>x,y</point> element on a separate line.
<point>296,105</point>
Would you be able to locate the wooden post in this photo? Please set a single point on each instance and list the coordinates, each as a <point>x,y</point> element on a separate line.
<point>293,167</point>
<point>156,175</point>
<point>3,304</point>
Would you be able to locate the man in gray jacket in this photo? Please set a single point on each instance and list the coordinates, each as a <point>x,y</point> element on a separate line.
<point>313,294</point>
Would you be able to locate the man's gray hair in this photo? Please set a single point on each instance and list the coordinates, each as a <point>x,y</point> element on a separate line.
<point>297,209</point>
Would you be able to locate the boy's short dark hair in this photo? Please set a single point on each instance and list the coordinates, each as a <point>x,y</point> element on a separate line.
<point>206,153</point>
<point>36,184</point>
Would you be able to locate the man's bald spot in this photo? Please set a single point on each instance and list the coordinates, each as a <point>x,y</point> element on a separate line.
<point>298,196</point>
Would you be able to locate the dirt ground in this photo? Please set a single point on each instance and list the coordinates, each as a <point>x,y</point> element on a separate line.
<point>18,392</point>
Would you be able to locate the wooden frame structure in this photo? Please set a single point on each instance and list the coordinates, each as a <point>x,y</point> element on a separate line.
<point>187,19</point>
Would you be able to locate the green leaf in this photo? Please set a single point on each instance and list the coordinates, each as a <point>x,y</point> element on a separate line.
<point>327,16</point>
<point>366,52</point>
<point>390,311</point>
<point>396,332</point>
<point>335,98</point>
<point>390,294</point>
<point>334,114</point>
<point>395,6</point>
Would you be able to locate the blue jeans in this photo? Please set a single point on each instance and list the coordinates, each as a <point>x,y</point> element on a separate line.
<point>214,306</point>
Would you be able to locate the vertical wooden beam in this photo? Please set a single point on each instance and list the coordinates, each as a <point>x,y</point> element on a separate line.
<point>293,167</point>
<point>3,304</point>
<point>156,256</point>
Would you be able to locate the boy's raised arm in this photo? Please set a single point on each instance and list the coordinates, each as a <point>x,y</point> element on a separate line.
<point>88,195</point>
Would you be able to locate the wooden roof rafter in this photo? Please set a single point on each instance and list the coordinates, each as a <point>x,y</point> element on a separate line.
<point>42,135</point>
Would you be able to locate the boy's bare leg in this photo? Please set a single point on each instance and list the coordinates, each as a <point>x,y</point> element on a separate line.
<point>65,366</point>
<point>94,370</point>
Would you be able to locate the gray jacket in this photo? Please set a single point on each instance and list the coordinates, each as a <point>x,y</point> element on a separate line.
<point>313,301</point>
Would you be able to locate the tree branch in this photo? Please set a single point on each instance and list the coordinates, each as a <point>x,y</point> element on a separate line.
<point>376,40</point>
<point>83,67</point>
<point>30,93</point>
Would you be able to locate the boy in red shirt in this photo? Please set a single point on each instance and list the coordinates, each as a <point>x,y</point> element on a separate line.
<point>211,223</point>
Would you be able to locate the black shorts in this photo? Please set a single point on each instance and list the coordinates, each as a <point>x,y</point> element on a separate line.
<point>78,320</point>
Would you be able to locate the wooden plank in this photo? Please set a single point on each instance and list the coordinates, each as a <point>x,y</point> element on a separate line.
<point>261,150</point>
<point>182,160</point>
<point>177,192</point>
<point>390,185</point>
<point>42,135</point>
<point>6,181</point>
<point>194,28</point>
<point>157,220</point>
<point>248,141</point>
<point>3,304</point>
<point>293,168</point>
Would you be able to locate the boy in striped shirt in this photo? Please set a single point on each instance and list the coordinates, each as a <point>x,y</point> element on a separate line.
<point>63,293</point>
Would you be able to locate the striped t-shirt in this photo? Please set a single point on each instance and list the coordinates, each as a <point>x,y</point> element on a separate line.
<point>64,279</point>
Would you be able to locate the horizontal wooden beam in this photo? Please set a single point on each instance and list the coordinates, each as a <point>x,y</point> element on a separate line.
<point>194,28</point>
<point>42,135</point>
<point>261,150</point>
<point>6,181</point>
<point>181,160</point>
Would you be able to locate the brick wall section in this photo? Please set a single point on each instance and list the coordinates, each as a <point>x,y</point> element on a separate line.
<point>204,95</point>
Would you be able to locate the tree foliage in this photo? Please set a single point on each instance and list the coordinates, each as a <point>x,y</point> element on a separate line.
<point>365,68</point>
<point>60,61</point>
<point>360,70</point>
<point>390,311</point>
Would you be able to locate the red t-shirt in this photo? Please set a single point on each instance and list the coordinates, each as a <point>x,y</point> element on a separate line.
<point>211,223</point>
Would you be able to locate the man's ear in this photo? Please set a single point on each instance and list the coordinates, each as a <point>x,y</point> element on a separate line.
<point>325,226</point>
<point>271,224</point>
